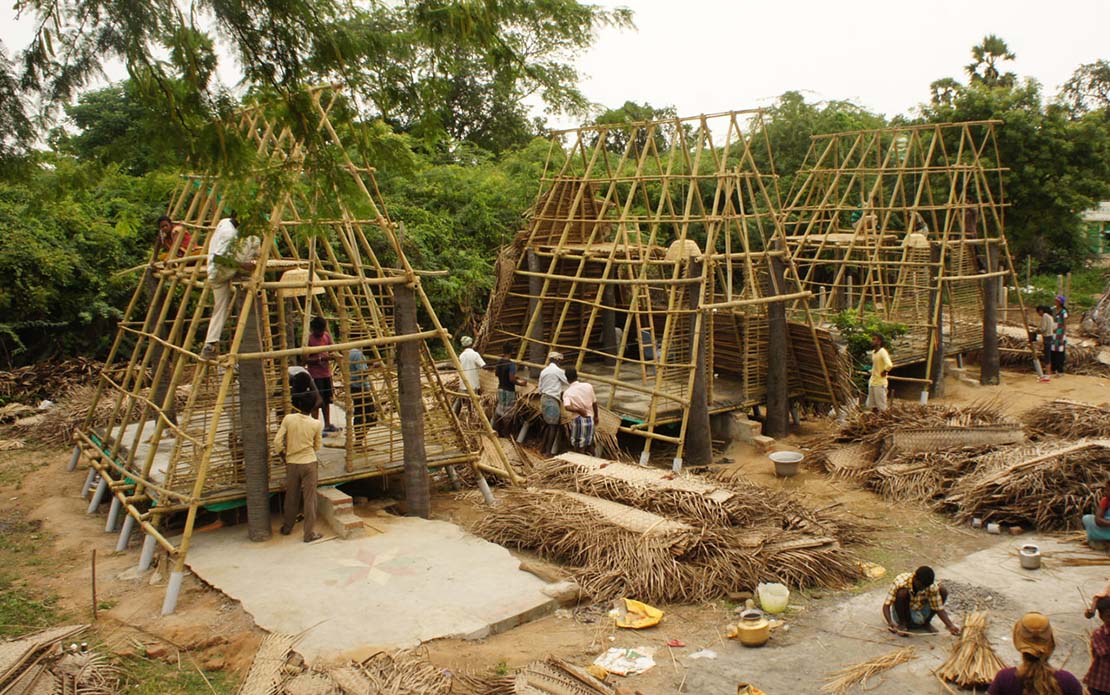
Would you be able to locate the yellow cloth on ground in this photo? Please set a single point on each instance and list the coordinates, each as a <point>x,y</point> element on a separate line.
<point>300,437</point>
<point>880,363</point>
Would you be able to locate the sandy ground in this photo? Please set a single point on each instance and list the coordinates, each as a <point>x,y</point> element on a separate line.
<point>827,629</point>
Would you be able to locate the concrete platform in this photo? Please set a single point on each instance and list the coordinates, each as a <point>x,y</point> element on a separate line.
<point>853,631</point>
<point>416,581</point>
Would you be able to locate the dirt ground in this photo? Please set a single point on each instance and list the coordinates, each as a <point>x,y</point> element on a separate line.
<point>214,635</point>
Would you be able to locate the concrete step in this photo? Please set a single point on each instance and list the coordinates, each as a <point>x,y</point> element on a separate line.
<point>763,443</point>
<point>336,508</point>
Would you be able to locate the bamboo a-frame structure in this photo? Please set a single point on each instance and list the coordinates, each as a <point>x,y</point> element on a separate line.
<point>643,237</point>
<point>174,439</point>
<point>904,224</point>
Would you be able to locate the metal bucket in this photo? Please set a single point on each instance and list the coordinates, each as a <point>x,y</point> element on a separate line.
<point>1030,557</point>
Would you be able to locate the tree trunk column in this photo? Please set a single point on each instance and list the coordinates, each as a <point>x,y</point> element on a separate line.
<point>936,307</point>
<point>253,412</point>
<point>777,422</point>
<point>536,348</point>
<point>989,366</point>
<point>417,493</point>
<point>698,444</point>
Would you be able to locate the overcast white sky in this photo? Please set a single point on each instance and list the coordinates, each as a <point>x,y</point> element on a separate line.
<point>704,56</point>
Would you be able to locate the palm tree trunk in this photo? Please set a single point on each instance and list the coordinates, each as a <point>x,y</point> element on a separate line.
<point>417,493</point>
<point>253,409</point>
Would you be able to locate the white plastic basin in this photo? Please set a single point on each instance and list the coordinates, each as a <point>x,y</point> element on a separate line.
<point>786,463</point>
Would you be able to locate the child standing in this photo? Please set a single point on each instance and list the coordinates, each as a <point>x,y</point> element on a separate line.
<point>1098,676</point>
<point>298,439</point>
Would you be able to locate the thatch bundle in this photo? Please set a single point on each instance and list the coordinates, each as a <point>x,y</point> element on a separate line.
<point>972,663</point>
<point>923,476</point>
<point>840,682</point>
<point>1068,419</point>
<point>1049,486</point>
<point>34,382</point>
<point>618,550</point>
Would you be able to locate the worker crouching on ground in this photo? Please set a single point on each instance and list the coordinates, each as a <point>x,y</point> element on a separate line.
<point>913,601</point>
<point>298,439</point>
<point>1033,676</point>
<point>880,369</point>
<point>579,398</point>
<point>1098,524</point>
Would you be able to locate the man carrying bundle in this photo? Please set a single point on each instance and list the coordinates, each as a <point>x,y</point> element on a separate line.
<point>913,601</point>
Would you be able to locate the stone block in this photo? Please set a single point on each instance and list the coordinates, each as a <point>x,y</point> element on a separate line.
<point>763,443</point>
<point>734,427</point>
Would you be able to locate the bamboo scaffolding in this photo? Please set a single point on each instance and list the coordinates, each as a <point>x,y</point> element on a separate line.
<point>866,207</point>
<point>602,271</point>
<point>345,280</point>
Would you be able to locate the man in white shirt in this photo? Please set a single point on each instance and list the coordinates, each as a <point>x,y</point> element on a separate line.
<point>552,383</point>
<point>579,399</point>
<point>471,362</point>
<point>223,266</point>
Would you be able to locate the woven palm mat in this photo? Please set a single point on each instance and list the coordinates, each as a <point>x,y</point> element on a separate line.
<point>18,654</point>
<point>689,497</point>
<point>614,550</point>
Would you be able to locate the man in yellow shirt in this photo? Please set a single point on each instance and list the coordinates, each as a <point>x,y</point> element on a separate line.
<point>880,368</point>
<point>298,439</point>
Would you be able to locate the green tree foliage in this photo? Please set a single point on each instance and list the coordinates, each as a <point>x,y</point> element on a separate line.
<point>1088,90</point>
<point>984,67</point>
<point>631,112</point>
<point>790,123</point>
<point>68,229</point>
<point>1058,161</point>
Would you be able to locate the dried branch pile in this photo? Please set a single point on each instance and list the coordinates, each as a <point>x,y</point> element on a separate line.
<point>617,550</point>
<point>972,663</point>
<point>923,477</point>
<point>1069,420</point>
<point>1049,486</point>
<point>1081,359</point>
<point>840,682</point>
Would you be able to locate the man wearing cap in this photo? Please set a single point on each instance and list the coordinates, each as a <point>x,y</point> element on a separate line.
<point>912,602</point>
<point>1033,676</point>
<point>552,383</point>
<point>471,362</point>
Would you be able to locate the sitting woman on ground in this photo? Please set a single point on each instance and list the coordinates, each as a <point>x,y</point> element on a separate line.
<point>1098,524</point>
<point>1033,676</point>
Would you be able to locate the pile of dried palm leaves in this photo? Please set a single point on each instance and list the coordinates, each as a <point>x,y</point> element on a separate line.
<point>972,663</point>
<point>617,550</point>
<point>34,382</point>
<point>840,682</point>
<point>1081,359</point>
<point>923,476</point>
<point>1049,486</point>
<point>1069,420</point>
<point>721,502</point>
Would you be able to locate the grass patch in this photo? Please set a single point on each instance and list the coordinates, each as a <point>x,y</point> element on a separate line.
<point>150,677</point>
<point>22,612</point>
<point>1087,285</point>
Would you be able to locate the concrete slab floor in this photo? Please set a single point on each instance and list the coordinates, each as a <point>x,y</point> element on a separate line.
<point>837,635</point>
<point>418,580</point>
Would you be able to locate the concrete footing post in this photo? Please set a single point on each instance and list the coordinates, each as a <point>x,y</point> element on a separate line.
<point>676,465</point>
<point>88,483</point>
<point>113,515</point>
<point>453,476</point>
<point>98,496</point>
<point>644,458</point>
<point>924,397</point>
<point>523,432</point>
<point>173,590</point>
<point>74,459</point>
<point>146,557</point>
<point>487,494</point>
<point>125,532</point>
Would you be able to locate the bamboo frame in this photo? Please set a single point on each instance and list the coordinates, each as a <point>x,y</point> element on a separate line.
<point>347,281</point>
<point>945,176</point>
<point>616,205</point>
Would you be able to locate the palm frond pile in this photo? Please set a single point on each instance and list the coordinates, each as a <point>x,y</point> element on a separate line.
<point>1068,419</point>
<point>616,550</point>
<point>1049,486</point>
